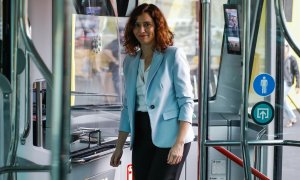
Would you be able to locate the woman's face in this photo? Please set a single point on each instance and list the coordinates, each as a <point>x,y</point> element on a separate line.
<point>144,30</point>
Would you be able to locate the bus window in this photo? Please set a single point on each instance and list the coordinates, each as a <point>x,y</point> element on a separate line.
<point>96,85</point>
<point>216,40</point>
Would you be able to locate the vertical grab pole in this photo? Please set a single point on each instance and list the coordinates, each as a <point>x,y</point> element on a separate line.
<point>67,86</point>
<point>245,88</point>
<point>60,71</point>
<point>204,87</point>
<point>61,89</point>
<point>11,160</point>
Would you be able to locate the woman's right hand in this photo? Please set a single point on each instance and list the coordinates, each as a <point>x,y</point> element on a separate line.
<point>116,157</point>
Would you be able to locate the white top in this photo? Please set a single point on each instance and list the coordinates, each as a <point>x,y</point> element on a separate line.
<point>141,87</point>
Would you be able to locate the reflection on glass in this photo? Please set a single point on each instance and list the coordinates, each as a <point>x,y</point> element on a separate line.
<point>97,60</point>
<point>97,79</point>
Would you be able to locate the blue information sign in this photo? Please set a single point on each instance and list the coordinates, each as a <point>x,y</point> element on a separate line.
<point>264,84</point>
<point>262,113</point>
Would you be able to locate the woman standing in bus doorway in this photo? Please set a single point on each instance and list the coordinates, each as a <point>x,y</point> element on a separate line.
<point>158,100</point>
<point>291,72</point>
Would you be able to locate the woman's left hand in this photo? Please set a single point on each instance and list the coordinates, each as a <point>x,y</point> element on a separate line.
<point>175,154</point>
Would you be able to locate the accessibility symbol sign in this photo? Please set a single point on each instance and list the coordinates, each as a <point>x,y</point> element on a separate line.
<point>264,84</point>
<point>262,113</point>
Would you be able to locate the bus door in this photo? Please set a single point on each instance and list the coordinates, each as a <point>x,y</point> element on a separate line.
<point>243,131</point>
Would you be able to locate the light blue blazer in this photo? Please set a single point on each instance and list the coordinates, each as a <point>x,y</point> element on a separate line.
<point>169,96</point>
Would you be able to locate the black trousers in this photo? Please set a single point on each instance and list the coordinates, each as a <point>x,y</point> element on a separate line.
<point>148,161</point>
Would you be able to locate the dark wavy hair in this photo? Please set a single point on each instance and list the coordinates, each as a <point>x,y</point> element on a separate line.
<point>163,35</point>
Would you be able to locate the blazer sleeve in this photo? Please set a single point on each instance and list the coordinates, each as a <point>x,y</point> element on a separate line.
<point>124,120</point>
<point>183,86</point>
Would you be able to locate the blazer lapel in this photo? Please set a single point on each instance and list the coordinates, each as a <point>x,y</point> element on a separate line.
<point>131,81</point>
<point>156,62</point>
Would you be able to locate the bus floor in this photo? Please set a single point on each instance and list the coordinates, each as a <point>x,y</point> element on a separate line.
<point>291,155</point>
